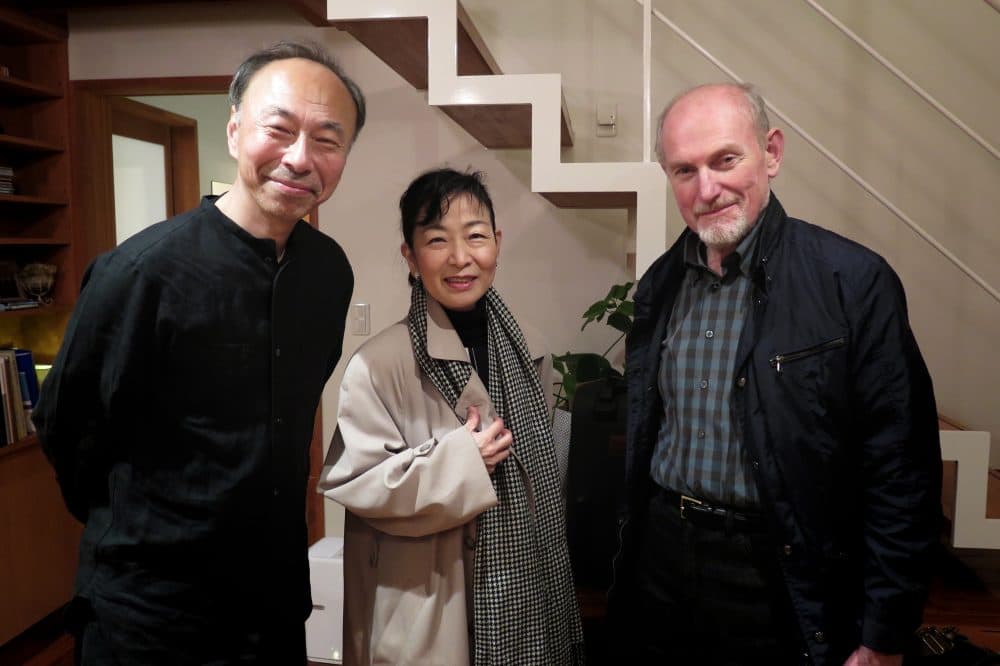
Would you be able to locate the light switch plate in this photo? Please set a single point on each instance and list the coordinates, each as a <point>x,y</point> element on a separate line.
<point>361,319</point>
<point>607,119</point>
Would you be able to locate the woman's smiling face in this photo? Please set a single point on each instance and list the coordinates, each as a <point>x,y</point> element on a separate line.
<point>456,255</point>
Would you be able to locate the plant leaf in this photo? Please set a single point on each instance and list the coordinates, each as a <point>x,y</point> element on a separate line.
<point>620,322</point>
<point>619,291</point>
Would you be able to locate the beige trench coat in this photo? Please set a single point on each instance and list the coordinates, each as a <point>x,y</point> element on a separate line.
<point>412,480</point>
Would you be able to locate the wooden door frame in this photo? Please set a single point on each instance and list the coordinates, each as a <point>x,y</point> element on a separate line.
<point>93,197</point>
<point>92,204</point>
<point>177,134</point>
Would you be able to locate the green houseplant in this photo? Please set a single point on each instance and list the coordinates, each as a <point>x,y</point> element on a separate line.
<point>574,368</point>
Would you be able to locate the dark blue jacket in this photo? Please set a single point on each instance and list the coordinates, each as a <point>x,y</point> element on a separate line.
<point>839,425</point>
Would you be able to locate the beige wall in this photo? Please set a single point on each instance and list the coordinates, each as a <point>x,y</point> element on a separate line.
<point>556,262</point>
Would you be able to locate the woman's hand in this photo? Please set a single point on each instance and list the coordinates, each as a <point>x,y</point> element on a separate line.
<point>867,657</point>
<point>494,442</point>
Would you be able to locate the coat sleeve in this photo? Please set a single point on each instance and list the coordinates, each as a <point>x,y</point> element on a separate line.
<point>402,488</point>
<point>95,380</point>
<point>901,461</point>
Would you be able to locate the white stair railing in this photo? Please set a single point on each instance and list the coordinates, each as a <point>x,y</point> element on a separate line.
<point>898,73</point>
<point>840,164</point>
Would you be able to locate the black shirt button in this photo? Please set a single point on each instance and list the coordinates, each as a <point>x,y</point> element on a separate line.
<point>820,637</point>
<point>741,382</point>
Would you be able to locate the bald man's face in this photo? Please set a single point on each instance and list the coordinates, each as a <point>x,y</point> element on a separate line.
<point>719,172</point>
<point>291,137</point>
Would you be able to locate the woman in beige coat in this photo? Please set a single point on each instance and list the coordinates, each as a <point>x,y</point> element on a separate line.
<point>455,548</point>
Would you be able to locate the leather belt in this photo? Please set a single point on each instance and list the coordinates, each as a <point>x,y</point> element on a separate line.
<point>703,514</point>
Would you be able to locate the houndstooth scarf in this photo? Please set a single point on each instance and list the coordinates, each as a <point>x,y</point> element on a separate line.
<point>525,609</point>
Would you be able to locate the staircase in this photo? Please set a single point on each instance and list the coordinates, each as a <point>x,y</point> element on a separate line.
<point>434,45</point>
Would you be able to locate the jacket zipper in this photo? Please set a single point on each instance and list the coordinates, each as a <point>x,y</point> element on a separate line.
<point>778,359</point>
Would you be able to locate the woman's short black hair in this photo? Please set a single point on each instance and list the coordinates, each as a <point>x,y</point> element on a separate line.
<point>429,197</point>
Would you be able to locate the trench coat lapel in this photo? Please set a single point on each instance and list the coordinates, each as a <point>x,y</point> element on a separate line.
<point>443,344</point>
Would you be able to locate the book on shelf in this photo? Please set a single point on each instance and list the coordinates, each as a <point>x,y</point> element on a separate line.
<point>26,368</point>
<point>14,403</point>
<point>6,180</point>
<point>18,394</point>
<point>28,376</point>
<point>7,402</point>
<point>19,304</point>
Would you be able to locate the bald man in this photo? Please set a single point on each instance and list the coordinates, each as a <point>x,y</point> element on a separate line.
<point>783,464</point>
<point>179,411</point>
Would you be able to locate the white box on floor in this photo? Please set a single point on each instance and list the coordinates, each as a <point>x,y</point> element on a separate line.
<point>325,627</point>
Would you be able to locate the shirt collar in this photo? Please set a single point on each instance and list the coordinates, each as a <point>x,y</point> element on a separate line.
<point>265,248</point>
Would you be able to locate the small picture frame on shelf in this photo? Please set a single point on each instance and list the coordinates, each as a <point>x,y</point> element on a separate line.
<point>10,287</point>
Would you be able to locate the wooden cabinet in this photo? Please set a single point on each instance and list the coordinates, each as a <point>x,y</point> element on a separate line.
<point>34,140</point>
<point>37,535</point>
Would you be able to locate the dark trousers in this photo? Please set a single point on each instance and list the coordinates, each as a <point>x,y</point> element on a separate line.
<point>710,595</point>
<point>92,647</point>
<point>285,646</point>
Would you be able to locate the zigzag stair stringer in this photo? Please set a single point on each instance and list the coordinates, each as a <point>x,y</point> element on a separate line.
<point>642,184</point>
<point>970,526</point>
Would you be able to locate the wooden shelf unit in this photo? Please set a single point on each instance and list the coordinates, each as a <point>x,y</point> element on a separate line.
<point>38,537</point>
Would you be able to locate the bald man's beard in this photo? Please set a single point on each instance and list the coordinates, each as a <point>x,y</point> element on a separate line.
<point>725,233</point>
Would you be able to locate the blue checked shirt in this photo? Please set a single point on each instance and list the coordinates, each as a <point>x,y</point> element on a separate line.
<point>698,451</point>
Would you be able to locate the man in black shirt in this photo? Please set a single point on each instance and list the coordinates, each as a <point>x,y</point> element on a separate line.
<point>179,411</point>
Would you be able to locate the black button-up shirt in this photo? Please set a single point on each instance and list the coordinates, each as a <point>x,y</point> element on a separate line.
<point>178,416</point>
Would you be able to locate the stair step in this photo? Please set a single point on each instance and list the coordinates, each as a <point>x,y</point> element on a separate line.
<point>591,199</point>
<point>402,44</point>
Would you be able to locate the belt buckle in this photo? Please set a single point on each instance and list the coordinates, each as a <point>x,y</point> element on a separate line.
<point>685,501</point>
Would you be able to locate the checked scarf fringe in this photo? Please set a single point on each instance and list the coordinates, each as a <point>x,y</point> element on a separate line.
<point>525,609</point>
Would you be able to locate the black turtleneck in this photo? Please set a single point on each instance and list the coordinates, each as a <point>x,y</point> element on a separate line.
<point>471,329</point>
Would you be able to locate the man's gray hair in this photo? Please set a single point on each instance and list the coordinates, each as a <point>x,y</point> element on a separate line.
<point>754,106</point>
